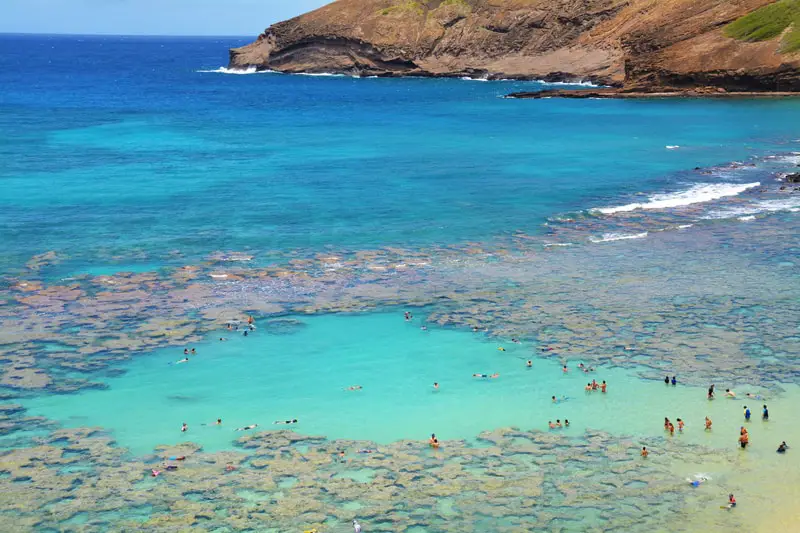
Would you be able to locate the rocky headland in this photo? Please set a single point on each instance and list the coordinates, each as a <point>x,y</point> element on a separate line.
<point>635,45</point>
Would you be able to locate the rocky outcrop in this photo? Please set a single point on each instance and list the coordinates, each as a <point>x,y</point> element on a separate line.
<point>639,44</point>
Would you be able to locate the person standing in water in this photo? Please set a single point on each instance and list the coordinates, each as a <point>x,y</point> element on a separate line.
<point>746,414</point>
<point>666,380</point>
<point>674,380</point>
<point>603,386</point>
<point>434,442</point>
<point>708,424</point>
<point>765,413</point>
<point>645,453</point>
<point>184,428</point>
<point>711,392</point>
<point>356,526</point>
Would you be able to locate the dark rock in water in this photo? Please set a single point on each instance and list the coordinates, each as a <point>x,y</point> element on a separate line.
<point>284,326</point>
<point>793,178</point>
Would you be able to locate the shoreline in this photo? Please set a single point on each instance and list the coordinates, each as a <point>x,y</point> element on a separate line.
<point>622,94</point>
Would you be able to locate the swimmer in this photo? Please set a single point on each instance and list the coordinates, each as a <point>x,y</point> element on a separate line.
<point>588,387</point>
<point>564,369</point>
<point>753,396</point>
<point>580,366</point>
<point>222,339</point>
<point>729,393</point>
<point>155,472</point>
<point>184,428</point>
<point>492,376</point>
<point>644,453</point>
<point>501,348</point>
<point>566,423</point>
<point>434,442</point>
<point>550,423</point>
<point>731,502</point>
<point>696,482</point>
<point>424,328</point>
<point>354,387</point>
<point>603,386</point>
<point>356,527</point>
<point>594,384</point>
<point>547,349</point>
<point>184,360</point>
<point>681,425</point>
<point>529,364</point>
<point>782,447</point>
<point>554,399</point>
<point>366,450</point>
<point>765,413</point>
<point>194,352</point>
<point>186,351</point>
<point>286,422</point>
<point>515,341</point>
<point>708,424</point>
<point>246,428</point>
<point>435,385</point>
<point>218,422</point>
<point>558,423</point>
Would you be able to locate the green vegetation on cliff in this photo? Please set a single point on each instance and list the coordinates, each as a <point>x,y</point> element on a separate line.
<point>769,22</point>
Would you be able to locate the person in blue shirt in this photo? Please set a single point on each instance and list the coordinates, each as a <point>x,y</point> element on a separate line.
<point>746,413</point>
<point>765,413</point>
<point>674,381</point>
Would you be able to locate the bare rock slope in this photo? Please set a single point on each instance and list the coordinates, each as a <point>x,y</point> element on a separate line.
<point>635,44</point>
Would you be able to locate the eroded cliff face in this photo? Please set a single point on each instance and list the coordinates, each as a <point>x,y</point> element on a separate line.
<point>630,43</point>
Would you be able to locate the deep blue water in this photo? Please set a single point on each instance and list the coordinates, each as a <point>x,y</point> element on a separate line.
<point>121,149</point>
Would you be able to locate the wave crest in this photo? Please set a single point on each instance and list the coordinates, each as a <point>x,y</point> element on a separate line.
<point>700,193</point>
<point>610,237</point>
<point>237,71</point>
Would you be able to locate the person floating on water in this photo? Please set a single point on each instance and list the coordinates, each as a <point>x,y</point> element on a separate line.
<point>708,424</point>
<point>286,422</point>
<point>222,339</point>
<point>731,502</point>
<point>354,387</point>
<point>697,482</point>
<point>501,348</point>
<point>184,427</point>
<point>246,428</point>
<point>746,414</point>
<point>184,360</point>
<point>434,442</point>
<point>729,393</point>
<point>155,472</point>
<point>529,364</point>
<point>645,453</point>
<point>492,376</point>
<point>515,341</point>
<point>765,413</point>
<point>782,447</point>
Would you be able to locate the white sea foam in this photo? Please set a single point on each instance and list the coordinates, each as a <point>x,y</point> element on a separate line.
<point>791,204</point>
<point>747,218</point>
<point>702,192</point>
<point>237,71</point>
<point>548,244</point>
<point>610,237</point>
<point>323,74</point>
<point>672,146</point>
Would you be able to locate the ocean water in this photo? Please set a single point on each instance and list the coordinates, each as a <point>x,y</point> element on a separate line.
<point>651,238</point>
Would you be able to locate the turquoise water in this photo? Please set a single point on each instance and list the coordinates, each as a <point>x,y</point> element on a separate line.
<point>303,375</point>
<point>649,236</point>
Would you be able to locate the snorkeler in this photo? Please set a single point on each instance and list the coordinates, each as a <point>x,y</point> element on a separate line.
<point>286,422</point>
<point>354,387</point>
<point>245,428</point>
<point>492,376</point>
<point>501,348</point>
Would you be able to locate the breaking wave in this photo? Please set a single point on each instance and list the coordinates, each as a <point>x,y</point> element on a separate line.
<point>610,237</point>
<point>703,192</point>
